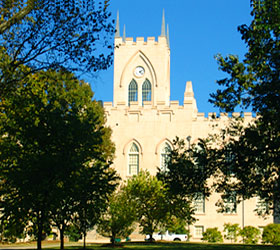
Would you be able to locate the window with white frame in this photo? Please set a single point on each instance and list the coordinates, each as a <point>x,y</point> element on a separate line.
<point>164,156</point>
<point>198,231</point>
<point>133,160</point>
<point>230,203</point>
<point>199,204</point>
<point>262,206</point>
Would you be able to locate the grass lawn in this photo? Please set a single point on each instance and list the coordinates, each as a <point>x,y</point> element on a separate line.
<point>153,246</point>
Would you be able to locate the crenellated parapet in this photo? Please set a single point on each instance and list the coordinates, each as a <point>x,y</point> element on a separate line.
<point>140,41</point>
<point>177,110</point>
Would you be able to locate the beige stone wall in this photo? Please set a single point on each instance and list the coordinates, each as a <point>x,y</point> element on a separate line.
<point>153,56</point>
<point>151,124</point>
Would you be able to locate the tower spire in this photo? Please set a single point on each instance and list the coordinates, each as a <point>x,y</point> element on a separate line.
<point>163,24</point>
<point>124,35</point>
<point>117,34</point>
<point>167,34</point>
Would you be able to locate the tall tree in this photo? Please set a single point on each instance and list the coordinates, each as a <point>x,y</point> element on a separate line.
<point>118,220</point>
<point>71,34</point>
<point>188,171</point>
<point>95,185</point>
<point>51,131</point>
<point>149,196</point>
<point>254,83</point>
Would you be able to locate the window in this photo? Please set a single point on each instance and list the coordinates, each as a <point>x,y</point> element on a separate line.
<point>230,162</point>
<point>133,160</point>
<point>262,206</point>
<point>146,91</point>
<point>198,231</point>
<point>164,156</point>
<point>230,203</point>
<point>132,92</point>
<point>199,204</point>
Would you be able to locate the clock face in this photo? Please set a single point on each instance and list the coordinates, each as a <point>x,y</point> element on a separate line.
<point>139,71</point>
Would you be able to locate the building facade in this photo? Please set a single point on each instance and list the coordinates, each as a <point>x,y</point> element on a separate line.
<point>145,121</point>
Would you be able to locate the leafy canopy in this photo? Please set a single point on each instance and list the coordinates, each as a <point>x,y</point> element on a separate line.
<point>73,34</point>
<point>53,135</point>
<point>253,83</point>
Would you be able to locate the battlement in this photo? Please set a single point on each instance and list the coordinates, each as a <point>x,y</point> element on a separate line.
<point>120,41</point>
<point>175,107</point>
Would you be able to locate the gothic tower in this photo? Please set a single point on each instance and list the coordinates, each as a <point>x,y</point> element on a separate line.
<point>141,69</point>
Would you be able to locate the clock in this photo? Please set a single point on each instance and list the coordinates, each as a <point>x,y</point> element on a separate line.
<point>139,71</point>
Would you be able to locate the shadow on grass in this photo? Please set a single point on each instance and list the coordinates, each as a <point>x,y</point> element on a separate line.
<point>176,246</point>
<point>160,246</point>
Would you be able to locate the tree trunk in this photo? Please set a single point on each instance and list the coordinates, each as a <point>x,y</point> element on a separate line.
<point>113,239</point>
<point>61,231</point>
<point>151,238</point>
<point>85,235</point>
<point>40,231</point>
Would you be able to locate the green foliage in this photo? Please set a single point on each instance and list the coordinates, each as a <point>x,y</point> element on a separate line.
<point>118,219</point>
<point>232,231</point>
<point>212,235</point>
<point>187,174</point>
<point>252,83</point>
<point>271,234</point>
<point>55,151</point>
<point>186,177</point>
<point>73,233</point>
<point>11,231</point>
<point>149,198</point>
<point>250,235</point>
<point>177,226</point>
<point>57,34</point>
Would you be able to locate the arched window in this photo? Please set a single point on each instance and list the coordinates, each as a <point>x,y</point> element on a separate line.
<point>132,92</point>
<point>164,155</point>
<point>133,160</point>
<point>146,91</point>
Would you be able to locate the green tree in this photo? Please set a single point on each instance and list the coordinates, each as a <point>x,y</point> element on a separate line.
<point>73,233</point>
<point>51,131</point>
<point>188,170</point>
<point>271,234</point>
<point>231,231</point>
<point>94,187</point>
<point>73,34</point>
<point>212,235</point>
<point>177,226</point>
<point>250,235</point>
<point>150,201</point>
<point>11,231</point>
<point>254,83</point>
<point>118,220</point>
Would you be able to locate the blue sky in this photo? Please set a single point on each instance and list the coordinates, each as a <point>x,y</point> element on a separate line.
<point>199,29</point>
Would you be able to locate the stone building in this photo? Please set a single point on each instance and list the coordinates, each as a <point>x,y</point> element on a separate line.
<point>145,121</point>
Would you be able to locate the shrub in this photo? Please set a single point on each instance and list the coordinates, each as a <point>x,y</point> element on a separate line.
<point>177,226</point>
<point>250,235</point>
<point>271,234</point>
<point>73,233</point>
<point>231,231</point>
<point>212,235</point>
